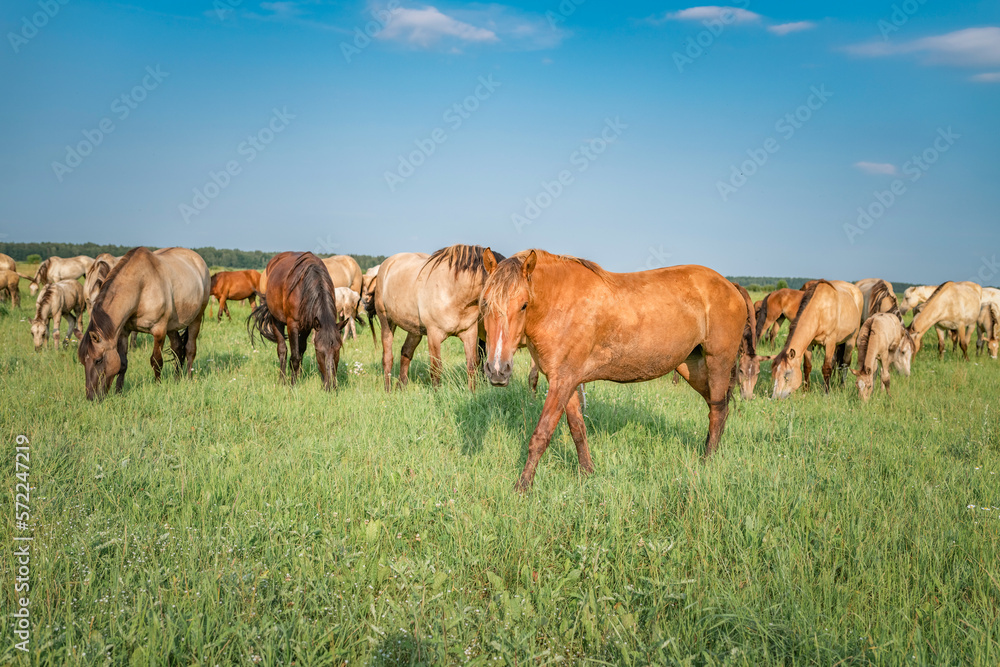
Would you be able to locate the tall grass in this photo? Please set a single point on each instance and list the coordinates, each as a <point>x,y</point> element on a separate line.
<point>235,520</point>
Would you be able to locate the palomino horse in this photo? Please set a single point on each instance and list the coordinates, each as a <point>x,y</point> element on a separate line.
<point>430,295</point>
<point>347,308</point>
<point>776,306</point>
<point>234,285</point>
<point>951,307</point>
<point>10,284</point>
<point>96,275</point>
<point>299,296</point>
<point>159,293</point>
<point>829,315</point>
<point>914,296</point>
<point>344,271</point>
<point>7,263</point>
<point>988,328</point>
<point>879,297</point>
<point>882,340</point>
<point>55,269</point>
<point>688,318</point>
<point>58,300</point>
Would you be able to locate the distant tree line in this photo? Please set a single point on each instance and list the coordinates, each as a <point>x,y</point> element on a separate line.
<point>228,257</point>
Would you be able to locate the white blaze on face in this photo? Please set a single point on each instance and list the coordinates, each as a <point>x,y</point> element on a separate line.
<point>497,352</point>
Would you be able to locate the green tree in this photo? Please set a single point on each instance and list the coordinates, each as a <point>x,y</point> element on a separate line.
<point>782,284</point>
<point>33,259</point>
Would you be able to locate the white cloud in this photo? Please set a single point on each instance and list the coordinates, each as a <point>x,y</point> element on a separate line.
<point>712,12</point>
<point>971,47</point>
<point>796,26</point>
<point>986,77</point>
<point>879,168</point>
<point>427,26</point>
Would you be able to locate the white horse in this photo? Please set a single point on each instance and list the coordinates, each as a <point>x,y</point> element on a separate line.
<point>55,269</point>
<point>347,308</point>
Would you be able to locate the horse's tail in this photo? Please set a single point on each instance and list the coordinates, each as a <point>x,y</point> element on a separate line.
<point>26,277</point>
<point>261,321</point>
<point>749,344</point>
<point>761,318</point>
<point>183,336</point>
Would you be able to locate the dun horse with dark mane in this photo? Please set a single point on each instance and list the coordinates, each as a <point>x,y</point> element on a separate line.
<point>569,312</point>
<point>300,296</point>
<point>162,293</point>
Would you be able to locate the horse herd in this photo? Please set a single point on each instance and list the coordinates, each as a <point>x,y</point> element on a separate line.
<point>566,311</point>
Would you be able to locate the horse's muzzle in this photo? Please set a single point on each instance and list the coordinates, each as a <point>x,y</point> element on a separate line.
<point>499,374</point>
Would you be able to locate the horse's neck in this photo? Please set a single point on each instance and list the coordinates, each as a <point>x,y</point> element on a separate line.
<point>121,306</point>
<point>803,336</point>
<point>927,317</point>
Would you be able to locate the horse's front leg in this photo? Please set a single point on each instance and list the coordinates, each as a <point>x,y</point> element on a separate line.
<point>56,322</point>
<point>470,341</point>
<point>829,357</point>
<point>123,356</point>
<point>434,339</point>
<point>964,336</point>
<point>279,329</point>
<point>578,429</point>
<point>175,346</point>
<point>555,404</point>
<point>191,348</point>
<point>293,342</point>
<point>156,359</point>
<point>807,367</point>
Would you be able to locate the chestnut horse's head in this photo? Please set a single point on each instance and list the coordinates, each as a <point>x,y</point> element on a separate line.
<point>507,295</point>
<point>787,373</point>
<point>747,374</point>
<point>101,362</point>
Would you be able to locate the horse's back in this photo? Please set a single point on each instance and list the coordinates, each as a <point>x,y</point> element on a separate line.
<point>186,281</point>
<point>397,287</point>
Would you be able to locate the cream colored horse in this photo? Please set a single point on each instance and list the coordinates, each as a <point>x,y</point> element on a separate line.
<point>988,328</point>
<point>951,307</point>
<point>347,308</point>
<point>882,341</point>
<point>830,315</point>
<point>344,271</point>
<point>10,284</point>
<point>7,262</point>
<point>96,274</point>
<point>886,296</point>
<point>430,295</point>
<point>914,296</point>
<point>58,300</point>
<point>55,269</point>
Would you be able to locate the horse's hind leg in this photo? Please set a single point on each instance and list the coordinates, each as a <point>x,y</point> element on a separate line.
<point>555,403</point>
<point>406,356</point>
<point>295,344</point>
<point>387,333</point>
<point>964,336</point>
<point>829,360</point>
<point>123,355</point>
<point>71,329</point>
<point>711,376</point>
<point>156,359</point>
<point>578,429</point>
<point>434,339</point>
<point>191,344</point>
<point>470,341</point>
<point>279,333</point>
<point>176,345</point>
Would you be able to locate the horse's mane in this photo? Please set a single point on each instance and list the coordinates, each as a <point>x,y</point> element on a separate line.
<point>317,290</point>
<point>881,291</point>
<point>44,298</point>
<point>508,275</point>
<point>810,292</point>
<point>99,319</point>
<point>863,336</point>
<point>939,288</point>
<point>42,274</point>
<point>461,258</point>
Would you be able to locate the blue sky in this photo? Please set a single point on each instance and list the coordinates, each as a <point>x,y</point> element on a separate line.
<point>840,140</point>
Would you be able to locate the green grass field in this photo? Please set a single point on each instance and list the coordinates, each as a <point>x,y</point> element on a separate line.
<point>234,520</point>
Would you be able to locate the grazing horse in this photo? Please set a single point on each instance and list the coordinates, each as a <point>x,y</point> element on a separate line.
<point>368,297</point>
<point>749,366</point>
<point>58,300</point>
<point>879,297</point>
<point>96,275</point>
<point>55,269</point>
<point>347,308</point>
<point>988,328</point>
<point>882,340</point>
<point>344,271</point>
<point>7,262</point>
<point>430,295</point>
<point>777,306</point>
<point>914,296</point>
<point>300,296</point>
<point>951,307</point>
<point>160,293</point>
<point>569,310</point>
<point>10,284</point>
<point>234,285</point>
<point>829,315</point>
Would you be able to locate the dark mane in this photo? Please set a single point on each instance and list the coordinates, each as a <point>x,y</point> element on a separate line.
<point>880,292</point>
<point>44,298</point>
<point>863,335</point>
<point>462,258</point>
<point>508,274</point>
<point>935,292</point>
<point>42,274</point>
<point>810,292</point>
<point>99,319</point>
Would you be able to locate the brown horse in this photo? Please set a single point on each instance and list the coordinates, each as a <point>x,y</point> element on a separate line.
<point>749,367</point>
<point>235,285</point>
<point>10,284</point>
<point>829,315</point>
<point>160,293</point>
<point>777,306</point>
<point>430,295</point>
<point>951,307</point>
<point>54,269</point>
<point>58,300</point>
<point>882,340</point>
<point>300,296</point>
<point>688,318</point>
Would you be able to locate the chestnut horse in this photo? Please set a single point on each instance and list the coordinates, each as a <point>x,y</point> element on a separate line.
<point>300,296</point>
<point>829,315</point>
<point>55,269</point>
<point>160,293</point>
<point>234,285</point>
<point>882,340</point>
<point>749,366</point>
<point>430,295</point>
<point>569,310</point>
<point>951,307</point>
<point>777,306</point>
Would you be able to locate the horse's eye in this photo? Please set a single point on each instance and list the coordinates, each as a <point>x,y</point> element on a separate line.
<point>524,307</point>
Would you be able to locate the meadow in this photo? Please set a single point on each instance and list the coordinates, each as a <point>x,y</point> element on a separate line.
<point>235,520</point>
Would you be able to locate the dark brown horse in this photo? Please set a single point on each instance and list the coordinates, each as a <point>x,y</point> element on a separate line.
<point>235,285</point>
<point>569,311</point>
<point>300,296</point>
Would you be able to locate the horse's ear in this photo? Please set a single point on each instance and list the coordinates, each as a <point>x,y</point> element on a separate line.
<point>856,372</point>
<point>529,264</point>
<point>489,261</point>
<point>791,353</point>
<point>94,338</point>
